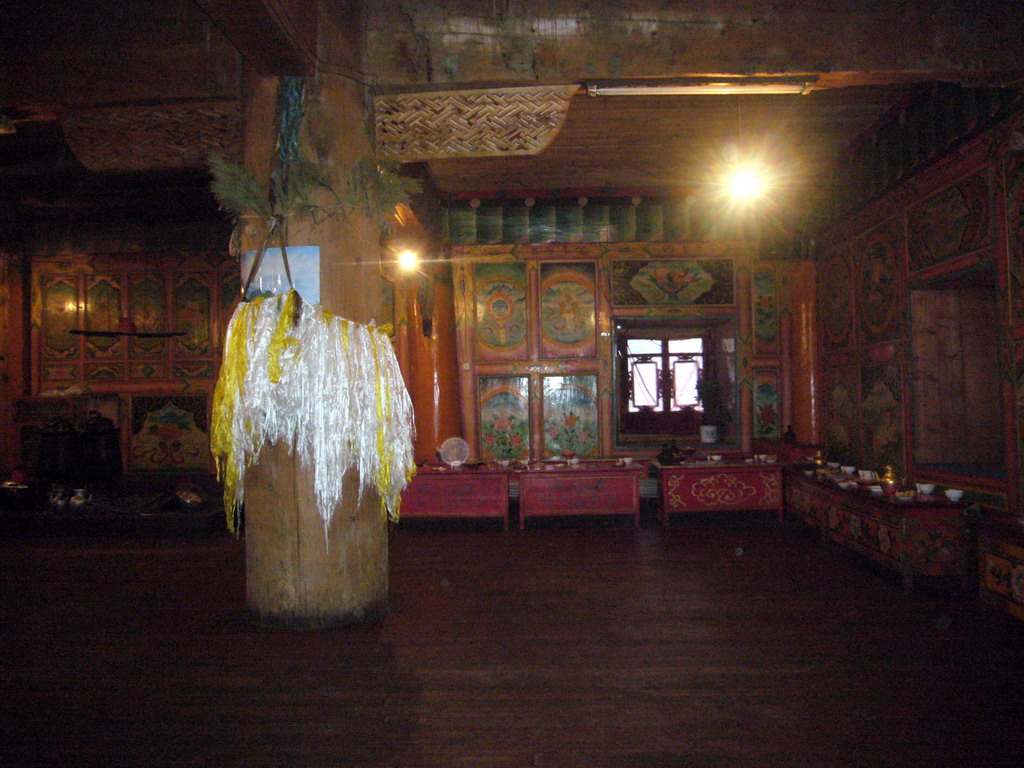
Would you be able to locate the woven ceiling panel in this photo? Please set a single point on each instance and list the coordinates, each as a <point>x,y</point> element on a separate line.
<point>414,127</point>
<point>150,137</point>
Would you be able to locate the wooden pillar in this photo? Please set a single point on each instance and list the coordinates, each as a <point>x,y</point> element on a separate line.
<point>299,573</point>
<point>14,353</point>
<point>429,366</point>
<point>803,345</point>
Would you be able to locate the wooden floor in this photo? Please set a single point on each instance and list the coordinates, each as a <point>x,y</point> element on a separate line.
<point>717,643</point>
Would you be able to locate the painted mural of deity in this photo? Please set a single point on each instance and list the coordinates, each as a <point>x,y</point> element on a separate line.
<point>878,296</point>
<point>501,321</point>
<point>567,310</point>
<point>841,422</point>
<point>882,414</point>
<point>836,301</point>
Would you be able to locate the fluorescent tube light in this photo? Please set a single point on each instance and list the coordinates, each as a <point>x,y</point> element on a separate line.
<point>700,89</point>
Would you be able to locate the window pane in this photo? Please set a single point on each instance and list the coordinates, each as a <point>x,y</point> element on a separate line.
<point>643,346</point>
<point>645,385</point>
<point>695,345</point>
<point>684,374</point>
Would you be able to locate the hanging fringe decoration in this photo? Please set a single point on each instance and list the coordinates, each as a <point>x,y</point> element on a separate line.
<point>328,387</point>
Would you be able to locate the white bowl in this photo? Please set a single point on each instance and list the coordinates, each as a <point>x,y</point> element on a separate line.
<point>573,462</point>
<point>954,494</point>
<point>715,457</point>
<point>627,460</point>
<point>503,462</point>
<point>867,474</point>
<point>848,469</point>
<point>925,488</point>
<point>875,489</point>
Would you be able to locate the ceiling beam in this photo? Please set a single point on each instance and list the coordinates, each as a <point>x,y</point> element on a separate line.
<point>275,37</point>
<point>441,43</point>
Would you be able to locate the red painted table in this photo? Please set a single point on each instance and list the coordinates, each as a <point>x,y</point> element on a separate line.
<point>591,488</point>
<point>468,493</point>
<point>923,536</point>
<point>1001,562</point>
<point>707,486</point>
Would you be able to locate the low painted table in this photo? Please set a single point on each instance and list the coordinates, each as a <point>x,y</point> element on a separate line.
<point>1001,564</point>
<point>921,537</point>
<point>591,488</point>
<point>709,486</point>
<point>442,492</point>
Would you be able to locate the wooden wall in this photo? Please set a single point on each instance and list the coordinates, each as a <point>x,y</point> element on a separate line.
<point>520,381</point>
<point>157,384</point>
<point>921,313</point>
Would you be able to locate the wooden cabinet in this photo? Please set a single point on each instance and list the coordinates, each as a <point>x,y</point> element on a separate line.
<point>465,493</point>
<point>923,537</point>
<point>712,486</point>
<point>588,489</point>
<point>1001,565</point>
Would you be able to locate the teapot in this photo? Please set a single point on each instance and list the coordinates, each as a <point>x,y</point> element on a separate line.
<point>58,497</point>
<point>79,499</point>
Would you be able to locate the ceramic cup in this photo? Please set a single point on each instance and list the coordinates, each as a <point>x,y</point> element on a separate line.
<point>925,489</point>
<point>954,494</point>
<point>849,470</point>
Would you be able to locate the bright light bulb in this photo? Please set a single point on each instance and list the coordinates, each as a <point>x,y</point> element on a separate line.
<point>746,183</point>
<point>408,260</point>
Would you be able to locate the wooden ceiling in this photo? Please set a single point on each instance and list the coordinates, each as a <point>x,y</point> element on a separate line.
<point>668,143</point>
<point>65,66</point>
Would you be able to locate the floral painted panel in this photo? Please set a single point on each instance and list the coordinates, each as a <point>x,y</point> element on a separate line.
<point>1014,175</point>
<point>766,403</point>
<point>504,417</point>
<point>169,433</point>
<point>952,222</point>
<point>570,415</point>
<point>60,317</point>
<point>148,302</point>
<point>192,315</point>
<point>567,310</point>
<point>672,282</point>
<point>835,276</point>
<point>882,416</point>
<point>102,313</point>
<point>501,317</point>
<point>840,407</point>
<point>766,314</point>
<point>879,298</point>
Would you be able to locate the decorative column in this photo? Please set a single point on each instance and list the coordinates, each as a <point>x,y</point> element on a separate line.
<point>300,573</point>
<point>429,364</point>
<point>803,347</point>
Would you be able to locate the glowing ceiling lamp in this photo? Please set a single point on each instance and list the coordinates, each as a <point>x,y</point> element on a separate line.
<point>408,260</point>
<point>746,182</point>
<point>702,87</point>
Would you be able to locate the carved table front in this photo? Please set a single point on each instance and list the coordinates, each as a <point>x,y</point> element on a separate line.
<point>711,486</point>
